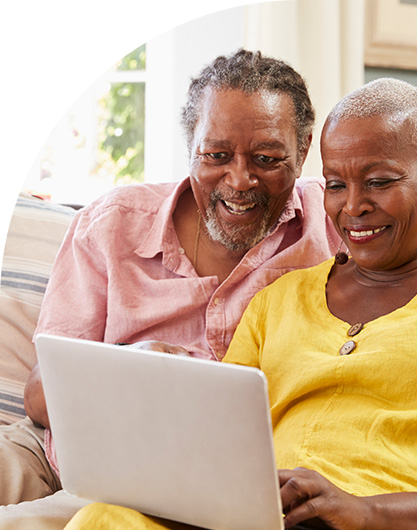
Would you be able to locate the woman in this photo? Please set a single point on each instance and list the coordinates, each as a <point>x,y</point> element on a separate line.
<point>344,399</point>
<point>337,342</point>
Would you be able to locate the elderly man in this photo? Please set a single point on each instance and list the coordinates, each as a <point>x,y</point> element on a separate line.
<point>178,263</point>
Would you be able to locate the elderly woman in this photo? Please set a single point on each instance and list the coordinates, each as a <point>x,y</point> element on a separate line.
<point>338,342</point>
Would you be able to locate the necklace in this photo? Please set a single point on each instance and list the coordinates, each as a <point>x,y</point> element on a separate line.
<point>197,239</point>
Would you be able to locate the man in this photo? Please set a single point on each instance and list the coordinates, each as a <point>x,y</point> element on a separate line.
<point>178,263</point>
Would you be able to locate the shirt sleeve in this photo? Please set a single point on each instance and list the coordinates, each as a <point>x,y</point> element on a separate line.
<point>246,344</point>
<point>75,302</point>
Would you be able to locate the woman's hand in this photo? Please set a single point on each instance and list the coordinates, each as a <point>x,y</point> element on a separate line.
<point>307,495</point>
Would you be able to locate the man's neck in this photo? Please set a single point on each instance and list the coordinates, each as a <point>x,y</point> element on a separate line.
<point>210,258</point>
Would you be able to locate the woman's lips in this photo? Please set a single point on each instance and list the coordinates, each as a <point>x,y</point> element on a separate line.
<point>364,234</point>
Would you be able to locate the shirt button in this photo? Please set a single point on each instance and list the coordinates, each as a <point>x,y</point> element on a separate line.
<point>347,348</point>
<point>355,329</point>
<point>216,301</point>
<point>181,250</point>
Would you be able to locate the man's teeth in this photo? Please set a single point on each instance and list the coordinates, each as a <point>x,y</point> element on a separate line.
<point>239,208</point>
<point>364,233</point>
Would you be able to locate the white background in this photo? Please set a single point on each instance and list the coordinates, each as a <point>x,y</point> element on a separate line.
<point>50,52</point>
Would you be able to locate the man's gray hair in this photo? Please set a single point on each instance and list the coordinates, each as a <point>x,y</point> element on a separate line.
<point>384,96</point>
<point>251,72</point>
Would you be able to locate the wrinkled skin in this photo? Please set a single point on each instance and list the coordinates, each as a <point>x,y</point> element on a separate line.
<point>308,496</point>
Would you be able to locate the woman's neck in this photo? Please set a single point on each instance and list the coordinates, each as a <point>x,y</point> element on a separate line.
<point>403,275</point>
<point>355,294</point>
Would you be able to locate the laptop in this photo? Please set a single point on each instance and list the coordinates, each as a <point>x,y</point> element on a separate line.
<point>174,437</point>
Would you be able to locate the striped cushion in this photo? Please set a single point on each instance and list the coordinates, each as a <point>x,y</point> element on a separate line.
<point>35,235</point>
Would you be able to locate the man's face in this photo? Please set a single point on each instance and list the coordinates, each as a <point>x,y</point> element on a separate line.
<point>243,163</point>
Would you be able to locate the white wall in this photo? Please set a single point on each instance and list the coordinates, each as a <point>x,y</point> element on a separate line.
<point>172,59</point>
<point>322,39</point>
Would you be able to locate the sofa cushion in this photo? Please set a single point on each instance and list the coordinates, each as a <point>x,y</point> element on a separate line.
<point>35,234</point>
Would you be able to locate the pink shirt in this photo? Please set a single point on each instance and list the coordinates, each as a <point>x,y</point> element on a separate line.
<point>122,276</point>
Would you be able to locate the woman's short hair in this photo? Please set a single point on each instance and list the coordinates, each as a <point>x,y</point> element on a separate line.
<point>381,97</point>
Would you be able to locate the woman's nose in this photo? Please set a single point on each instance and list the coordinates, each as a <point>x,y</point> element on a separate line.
<point>357,203</point>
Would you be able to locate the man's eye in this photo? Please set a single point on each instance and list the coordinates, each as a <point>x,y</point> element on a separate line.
<point>263,159</point>
<point>216,156</point>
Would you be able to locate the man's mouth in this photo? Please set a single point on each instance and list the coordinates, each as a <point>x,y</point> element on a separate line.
<point>239,209</point>
<point>238,220</point>
<point>355,234</point>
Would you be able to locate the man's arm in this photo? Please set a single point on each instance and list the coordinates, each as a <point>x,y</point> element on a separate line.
<point>34,399</point>
<point>308,495</point>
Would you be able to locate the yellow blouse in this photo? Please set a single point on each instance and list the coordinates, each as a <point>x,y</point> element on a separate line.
<point>100,516</point>
<point>351,417</point>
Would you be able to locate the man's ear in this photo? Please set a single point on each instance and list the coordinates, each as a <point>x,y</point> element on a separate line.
<point>304,151</point>
<point>302,154</point>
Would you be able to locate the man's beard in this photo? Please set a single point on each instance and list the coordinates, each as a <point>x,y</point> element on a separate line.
<point>234,236</point>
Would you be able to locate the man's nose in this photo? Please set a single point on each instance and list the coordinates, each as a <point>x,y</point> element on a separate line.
<point>239,176</point>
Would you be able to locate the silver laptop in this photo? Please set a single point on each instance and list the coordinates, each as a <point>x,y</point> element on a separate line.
<point>174,437</point>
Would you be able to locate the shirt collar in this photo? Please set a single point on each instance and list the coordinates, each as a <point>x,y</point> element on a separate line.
<point>293,208</point>
<point>162,235</point>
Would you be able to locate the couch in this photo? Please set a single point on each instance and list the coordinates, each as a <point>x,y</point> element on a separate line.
<point>34,237</point>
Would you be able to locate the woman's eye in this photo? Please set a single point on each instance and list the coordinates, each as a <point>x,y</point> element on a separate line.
<point>334,185</point>
<point>379,183</point>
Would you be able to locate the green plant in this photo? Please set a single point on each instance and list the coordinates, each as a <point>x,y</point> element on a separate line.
<point>122,123</point>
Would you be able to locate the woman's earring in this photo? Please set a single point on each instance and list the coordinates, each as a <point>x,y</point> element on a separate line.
<point>341,257</point>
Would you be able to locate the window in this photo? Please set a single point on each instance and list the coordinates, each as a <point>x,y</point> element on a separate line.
<point>100,141</point>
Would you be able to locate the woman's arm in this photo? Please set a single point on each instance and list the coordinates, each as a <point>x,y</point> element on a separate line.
<point>307,495</point>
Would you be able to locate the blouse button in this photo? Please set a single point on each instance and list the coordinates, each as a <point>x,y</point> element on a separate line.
<point>347,348</point>
<point>355,329</point>
<point>181,250</point>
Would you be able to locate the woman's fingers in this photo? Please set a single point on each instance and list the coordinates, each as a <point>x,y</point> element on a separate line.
<point>306,494</point>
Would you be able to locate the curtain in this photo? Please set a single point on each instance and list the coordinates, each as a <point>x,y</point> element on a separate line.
<point>323,40</point>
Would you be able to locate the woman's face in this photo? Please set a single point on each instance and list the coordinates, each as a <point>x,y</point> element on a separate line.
<point>370,167</point>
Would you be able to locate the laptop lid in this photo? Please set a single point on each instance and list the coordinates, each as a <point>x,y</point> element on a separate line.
<point>174,437</point>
